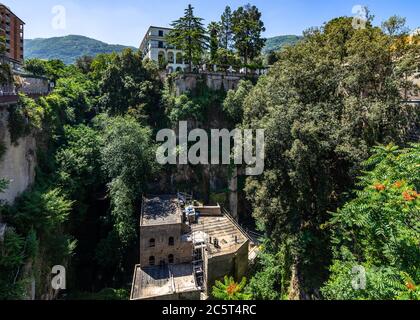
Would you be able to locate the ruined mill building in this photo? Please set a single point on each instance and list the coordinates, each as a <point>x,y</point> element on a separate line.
<point>184,249</point>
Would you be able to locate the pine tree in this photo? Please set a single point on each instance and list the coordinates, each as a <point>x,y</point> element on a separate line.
<point>189,35</point>
<point>213,30</point>
<point>247,27</point>
<point>225,31</point>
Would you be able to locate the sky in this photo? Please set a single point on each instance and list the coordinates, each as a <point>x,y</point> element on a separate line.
<point>126,21</point>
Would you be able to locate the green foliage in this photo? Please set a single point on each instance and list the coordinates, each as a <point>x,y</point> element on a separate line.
<point>123,210</point>
<point>108,294</point>
<point>225,30</point>
<point>230,290</point>
<point>128,152</point>
<point>233,104</point>
<point>52,69</point>
<point>24,118</point>
<point>269,276</point>
<point>128,86</point>
<point>247,27</point>
<point>79,160</point>
<point>192,105</point>
<point>5,70</point>
<point>11,258</point>
<point>128,159</point>
<point>3,185</point>
<point>42,210</point>
<point>213,30</point>
<point>379,229</point>
<point>67,49</point>
<point>189,35</point>
<point>395,26</point>
<point>280,42</point>
<point>84,64</point>
<point>324,104</point>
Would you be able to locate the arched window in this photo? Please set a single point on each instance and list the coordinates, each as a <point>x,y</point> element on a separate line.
<point>171,241</point>
<point>179,58</point>
<point>161,59</point>
<point>152,243</point>
<point>152,261</point>
<point>170,57</point>
<point>171,259</point>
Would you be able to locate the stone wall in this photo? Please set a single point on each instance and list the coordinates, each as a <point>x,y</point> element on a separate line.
<point>181,250</point>
<point>232,264</point>
<point>18,163</point>
<point>213,80</point>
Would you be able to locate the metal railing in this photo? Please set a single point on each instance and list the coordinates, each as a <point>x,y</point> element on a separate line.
<point>250,235</point>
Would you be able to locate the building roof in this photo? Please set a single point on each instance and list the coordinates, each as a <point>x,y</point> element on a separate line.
<point>160,281</point>
<point>160,210</point>
<point>229,235</point>
<point>8,9</point>
<point>145,37</point>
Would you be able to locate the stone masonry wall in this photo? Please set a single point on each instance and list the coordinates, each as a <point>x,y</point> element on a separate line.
<point>182,251</point>
<point>18,163</point>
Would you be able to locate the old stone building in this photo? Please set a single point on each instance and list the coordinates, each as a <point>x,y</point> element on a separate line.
<point>185,249</point>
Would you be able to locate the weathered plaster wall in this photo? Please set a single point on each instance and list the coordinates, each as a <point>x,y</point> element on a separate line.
<point>19,161</point>
<point>232,264</point>
<point>214,81</point>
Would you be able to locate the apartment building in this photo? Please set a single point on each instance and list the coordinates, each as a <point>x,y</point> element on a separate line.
<point>155,47</point>
<point>12,28</point>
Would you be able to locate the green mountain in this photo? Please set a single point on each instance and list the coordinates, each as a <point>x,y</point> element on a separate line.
<point>71,47</point>
<point>67,48</point>
<point>276,43</point>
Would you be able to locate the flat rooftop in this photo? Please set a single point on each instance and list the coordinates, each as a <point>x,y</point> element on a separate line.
<point>160,281</point>
<point>160,210</point>
<point>228,234</point>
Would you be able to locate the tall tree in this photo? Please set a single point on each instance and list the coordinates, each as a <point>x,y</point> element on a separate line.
<point>213,30</point>
<point>225,31</point>
<point>189,35</point>
<point>128,85</point>
<point>395,26</point>
<point>247,27</point>
<point>325,103</point>
<point>378,233</point>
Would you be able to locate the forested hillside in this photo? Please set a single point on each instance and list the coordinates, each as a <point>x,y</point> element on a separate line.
<point>277,43</point>
<point>339,190</point>
<point>67,49</point>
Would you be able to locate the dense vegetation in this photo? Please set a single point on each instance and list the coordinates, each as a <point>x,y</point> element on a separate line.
<point>330,198</point>
<point>278,43</point>
<point>325,104</point>
<point>67,49</point>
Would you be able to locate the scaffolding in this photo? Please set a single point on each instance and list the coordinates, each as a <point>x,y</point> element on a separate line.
<point>199,245</point>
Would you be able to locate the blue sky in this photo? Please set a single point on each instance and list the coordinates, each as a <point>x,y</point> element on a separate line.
<point>125,21</point>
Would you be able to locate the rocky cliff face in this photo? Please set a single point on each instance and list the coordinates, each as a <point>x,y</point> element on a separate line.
<point>17,165</point>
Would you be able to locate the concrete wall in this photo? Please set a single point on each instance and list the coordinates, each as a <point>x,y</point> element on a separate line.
<point>214,81</point>
<point>231,264</point>
<point>19,161</point>
<point>181,250</point>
